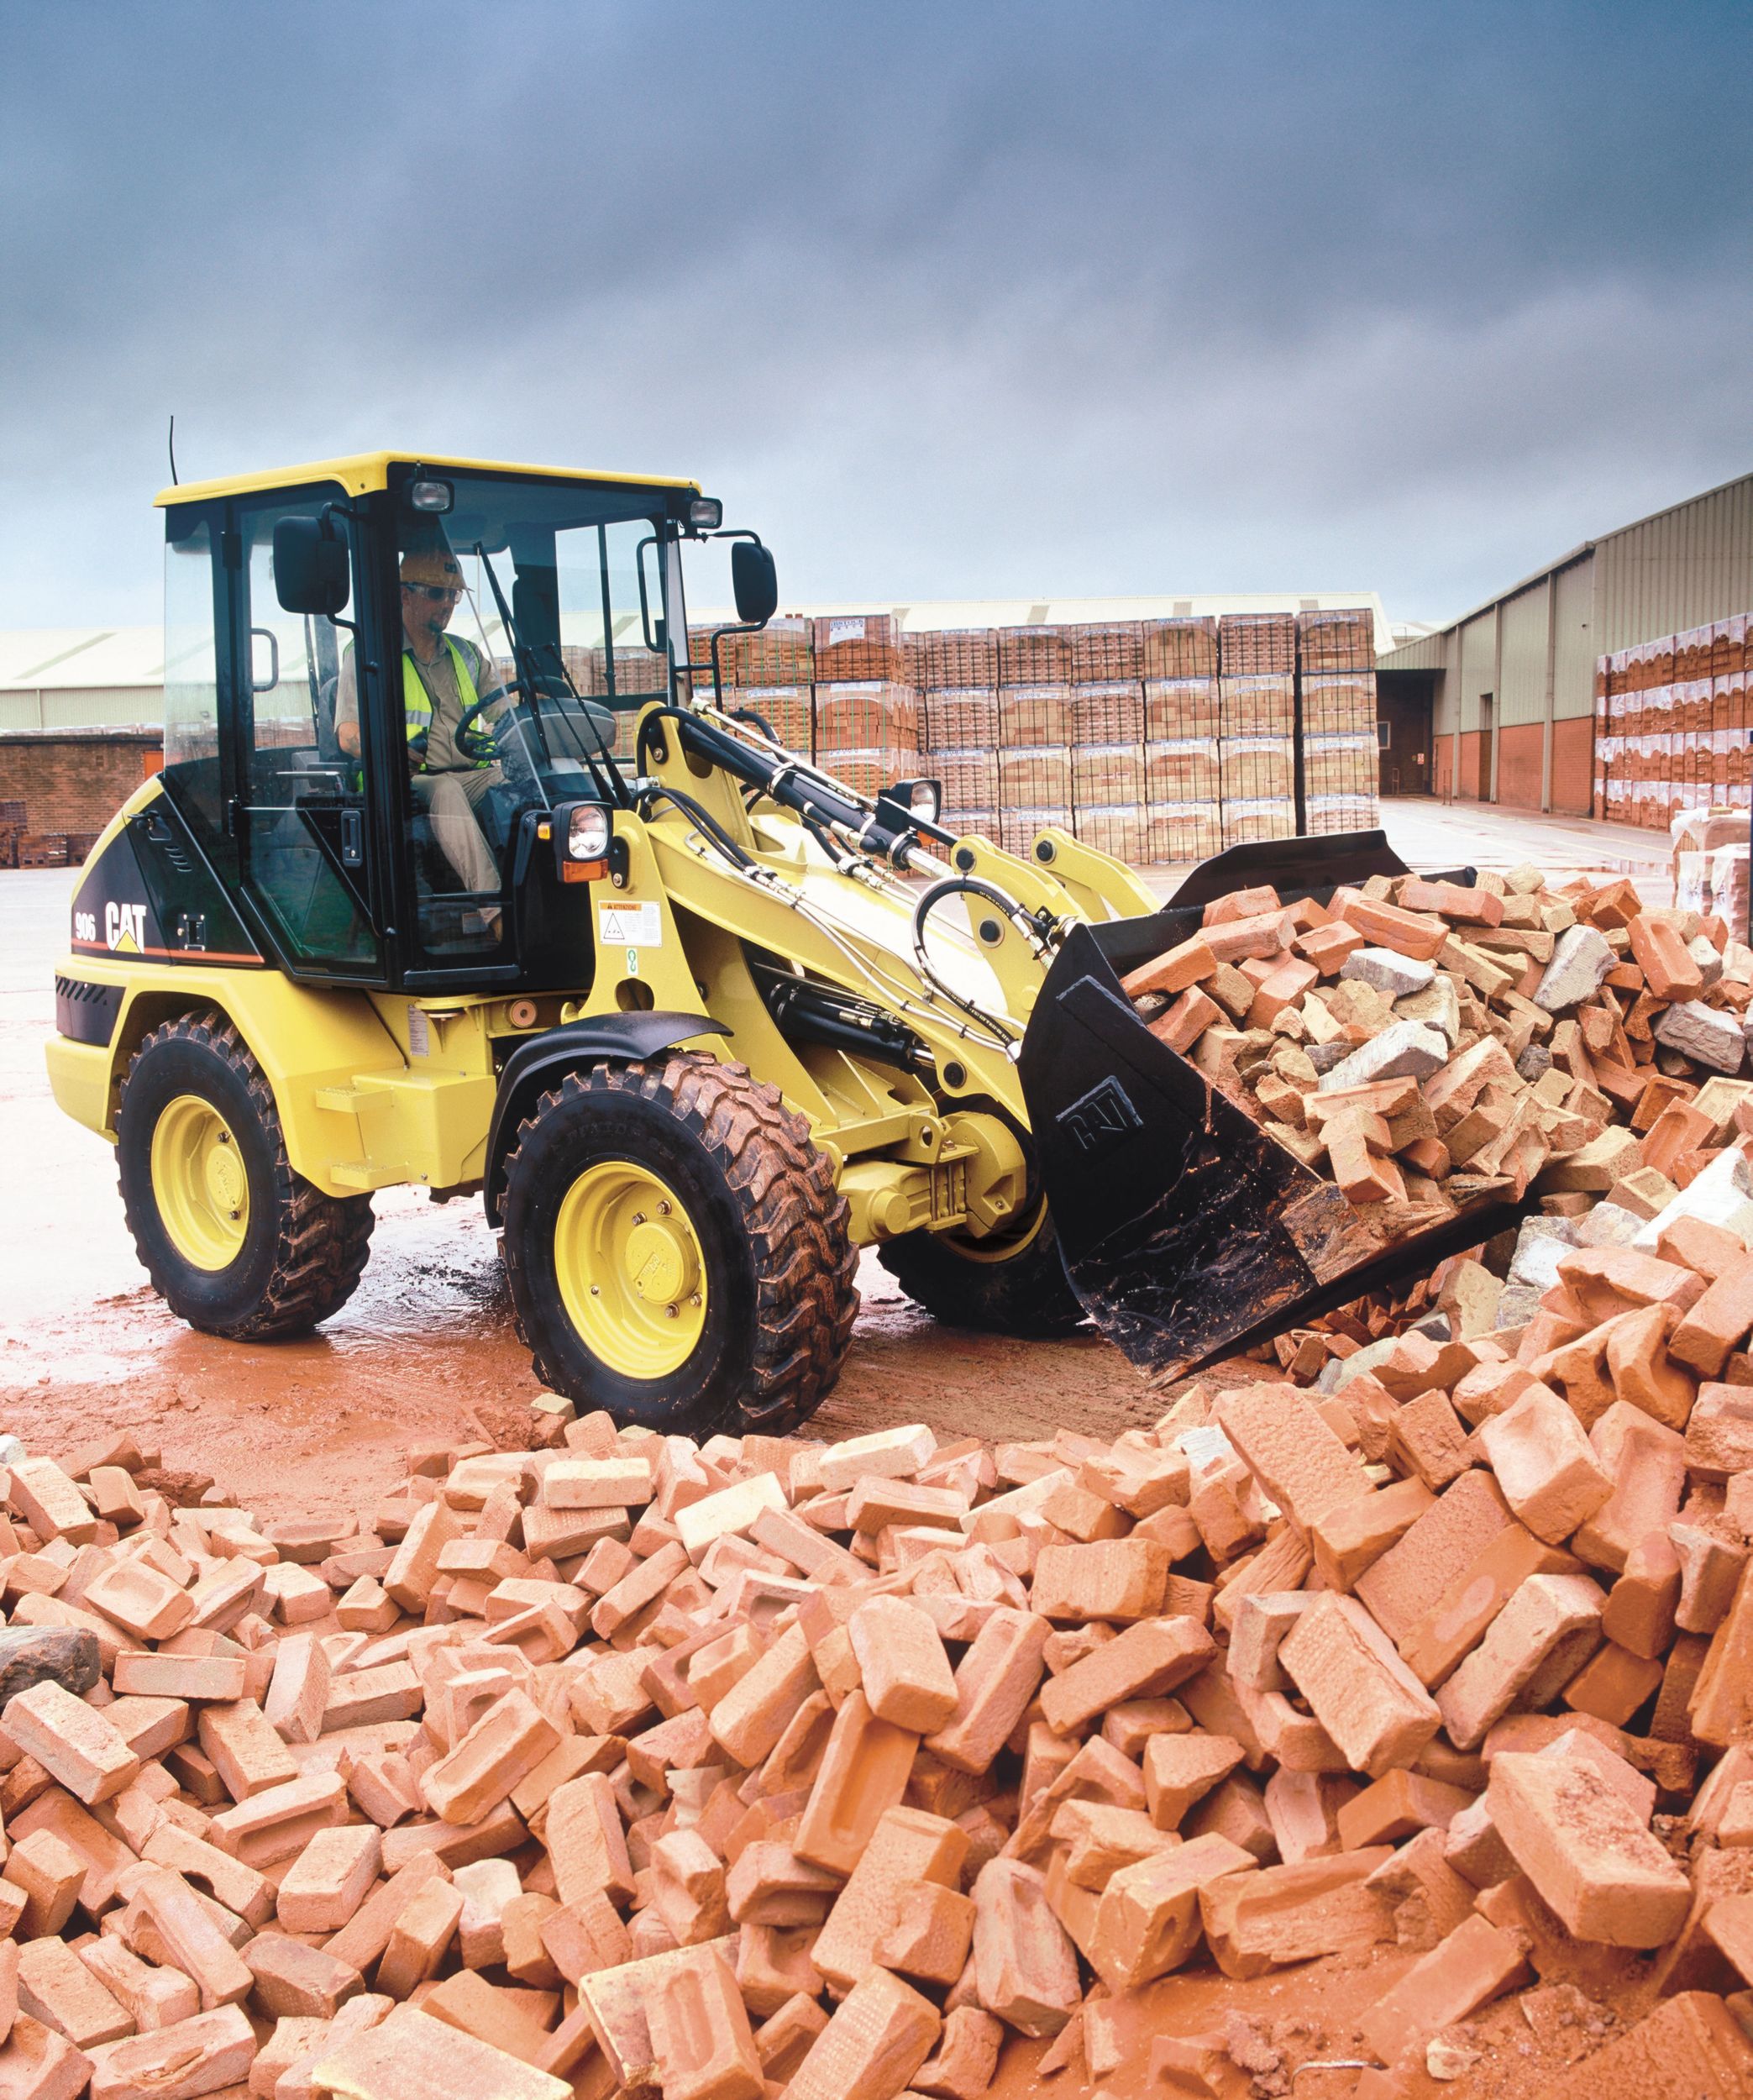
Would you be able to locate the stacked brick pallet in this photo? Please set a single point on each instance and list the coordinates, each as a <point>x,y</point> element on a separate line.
<point>626,1763</point>
<point>1336,677</point>
<point>1154,740</point>
<point>1671,724</point>
<point>866,716</point>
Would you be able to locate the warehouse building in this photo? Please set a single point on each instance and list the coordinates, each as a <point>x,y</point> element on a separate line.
<point>1500,706</point>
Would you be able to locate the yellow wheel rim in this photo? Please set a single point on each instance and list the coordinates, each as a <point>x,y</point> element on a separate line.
<point>200,1183</point>
<point>631,1272</point>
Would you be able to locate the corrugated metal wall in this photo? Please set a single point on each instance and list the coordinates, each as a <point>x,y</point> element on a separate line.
<point>1687,565</point>
<point>1575,649</point>
<point>1479,667</point>
<point>80,707</point>
<point>1523,664</point>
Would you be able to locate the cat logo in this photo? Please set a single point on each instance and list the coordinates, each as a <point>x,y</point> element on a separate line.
<point>124,927</point>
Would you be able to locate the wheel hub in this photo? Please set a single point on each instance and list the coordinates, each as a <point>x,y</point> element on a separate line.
<point>200,1183</point>
<point>630,1269</point>
<point>660,1261</point>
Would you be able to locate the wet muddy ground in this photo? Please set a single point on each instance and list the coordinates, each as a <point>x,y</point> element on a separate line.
<point>426,1347</point>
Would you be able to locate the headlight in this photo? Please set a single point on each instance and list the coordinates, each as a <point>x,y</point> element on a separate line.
<point>430,495</point>
<point>927,800</point>
<point>705,514</point>
<point>587,832</point>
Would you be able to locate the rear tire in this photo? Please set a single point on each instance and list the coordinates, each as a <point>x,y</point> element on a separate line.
<point>977,1284</point>
<point>234,1241</point>
<point>677,1250</point>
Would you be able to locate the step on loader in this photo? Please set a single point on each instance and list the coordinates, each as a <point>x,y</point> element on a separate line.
<point>460,874</point>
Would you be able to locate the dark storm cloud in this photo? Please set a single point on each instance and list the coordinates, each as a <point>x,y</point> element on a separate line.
<point>952,300</point>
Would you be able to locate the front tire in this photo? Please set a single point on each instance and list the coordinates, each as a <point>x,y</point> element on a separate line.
<point>234,1241</point>
<point>677,1251</point>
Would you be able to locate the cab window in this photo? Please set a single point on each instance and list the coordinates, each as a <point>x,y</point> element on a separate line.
<point>302,819</point>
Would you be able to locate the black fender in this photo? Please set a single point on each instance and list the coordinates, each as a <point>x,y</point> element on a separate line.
<point>542,1062</point>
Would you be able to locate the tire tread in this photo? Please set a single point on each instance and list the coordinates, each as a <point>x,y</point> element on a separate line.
<point>321,1240</point>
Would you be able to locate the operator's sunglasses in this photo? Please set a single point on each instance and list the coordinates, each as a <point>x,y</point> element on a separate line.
<point>438,593</point>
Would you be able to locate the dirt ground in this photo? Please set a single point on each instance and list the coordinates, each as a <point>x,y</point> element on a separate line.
<point>426,1350</point>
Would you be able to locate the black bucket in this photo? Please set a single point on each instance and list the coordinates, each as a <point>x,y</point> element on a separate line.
<point>1187,1232</point>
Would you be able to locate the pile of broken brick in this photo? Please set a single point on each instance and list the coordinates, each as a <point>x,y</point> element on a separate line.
<point>1428,1046</point>
<point>716,1771</point>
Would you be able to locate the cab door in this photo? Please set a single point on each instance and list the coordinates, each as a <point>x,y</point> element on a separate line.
<point>301,816</point>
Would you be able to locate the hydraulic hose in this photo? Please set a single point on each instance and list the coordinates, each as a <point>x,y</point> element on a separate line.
<point>655,791</point>
<point>950,886</point>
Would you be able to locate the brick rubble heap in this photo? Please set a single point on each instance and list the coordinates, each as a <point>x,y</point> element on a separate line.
<point>716,1771</point>
<point>1430,1047</point>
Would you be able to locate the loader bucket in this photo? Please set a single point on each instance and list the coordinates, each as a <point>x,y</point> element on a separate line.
<point>1187,1232</point>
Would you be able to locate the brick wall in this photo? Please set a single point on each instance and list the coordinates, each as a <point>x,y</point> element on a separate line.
<point>75,780</point>
<point>1521,757</point>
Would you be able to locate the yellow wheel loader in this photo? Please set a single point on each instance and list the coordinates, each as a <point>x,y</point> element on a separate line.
<point>459,874</point>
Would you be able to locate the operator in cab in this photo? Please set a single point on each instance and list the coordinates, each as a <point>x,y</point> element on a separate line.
<point>443,676</point>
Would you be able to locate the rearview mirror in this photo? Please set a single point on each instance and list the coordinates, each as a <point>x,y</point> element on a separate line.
<point>310,567</point>
<point>755,582</point>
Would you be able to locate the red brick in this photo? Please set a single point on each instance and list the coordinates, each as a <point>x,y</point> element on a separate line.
<point>1591,1860</point>
<point>1474,1964</point>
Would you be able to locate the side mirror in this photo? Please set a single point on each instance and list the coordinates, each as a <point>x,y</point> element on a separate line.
<point>310,567</point>
<point>754,581</point>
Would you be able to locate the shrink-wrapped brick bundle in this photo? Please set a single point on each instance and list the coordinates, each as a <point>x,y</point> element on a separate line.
<point>1034,776</point>
<point>1250,644</point>
<point>1341,639</point>
<point>858,646</point>
<point>1034,714</point>
<point>783,653</point>
<point>1033,656</point>
<point>1180,648</point>
<point>955,718</point>
<point>952,656</point>
<point>1107,776</point>
<point>1108,712</point>
<point>1109,649</point>
<point>1181,770</point>
<point>787,710</point>
<point>1180,708</point>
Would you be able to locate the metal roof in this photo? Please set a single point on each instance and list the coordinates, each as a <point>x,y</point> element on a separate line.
<point>51,659</point>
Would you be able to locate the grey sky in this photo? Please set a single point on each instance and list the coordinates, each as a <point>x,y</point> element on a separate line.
<point>950,299</point>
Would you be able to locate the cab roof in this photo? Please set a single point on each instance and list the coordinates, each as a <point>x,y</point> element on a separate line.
<point>361,472</point>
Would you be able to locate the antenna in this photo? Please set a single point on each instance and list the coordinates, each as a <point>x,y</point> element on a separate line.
<point>173,452</point>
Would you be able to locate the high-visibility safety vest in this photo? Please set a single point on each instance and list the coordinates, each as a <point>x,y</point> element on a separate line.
<point>417,705</point>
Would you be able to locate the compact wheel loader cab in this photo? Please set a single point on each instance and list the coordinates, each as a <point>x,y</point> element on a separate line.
<point>457,875</point>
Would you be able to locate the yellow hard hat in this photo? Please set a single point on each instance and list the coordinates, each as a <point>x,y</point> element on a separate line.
<point>430,560</point>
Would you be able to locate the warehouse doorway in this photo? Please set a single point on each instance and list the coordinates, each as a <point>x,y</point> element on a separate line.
<point>1488,719</point>
<point>1405,703</point>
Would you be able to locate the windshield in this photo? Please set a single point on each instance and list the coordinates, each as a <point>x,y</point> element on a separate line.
<point>542,582</point>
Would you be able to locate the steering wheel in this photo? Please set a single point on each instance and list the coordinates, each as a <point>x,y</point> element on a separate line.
<point>480,744</point>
